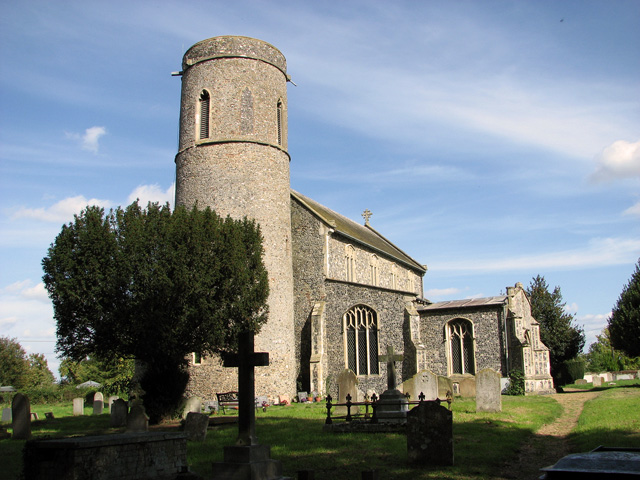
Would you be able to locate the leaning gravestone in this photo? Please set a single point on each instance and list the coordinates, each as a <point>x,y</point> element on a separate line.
<point>195,426</point>
<point>488,393</point>
<point>581,381</point>
<point>119,410</point>
<point>597,381</point>
<point>347,385</point>
<point>137,420</point>
<point>468,387</point>
<point>6,415</point>
<point>110,401</point>
<point>98,403</point>
<point>21,413</point>
<point>78,406</point>
<point>445,384</point>
<point>193,404</point>
<point>424,382</point>
<point>430,434</point>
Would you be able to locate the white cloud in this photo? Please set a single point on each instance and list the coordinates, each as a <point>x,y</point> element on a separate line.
<point>619,160</point>
<point>441,292</point>
<point>152,193</point>
<point>571,308</point>
<point>593,325</point>
<point>62,211</point>
<point>599,252</point>
<point>633,210</point>
<point>89,141</point>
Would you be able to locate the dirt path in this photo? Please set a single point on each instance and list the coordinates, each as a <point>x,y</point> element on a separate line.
<point>550,443</point>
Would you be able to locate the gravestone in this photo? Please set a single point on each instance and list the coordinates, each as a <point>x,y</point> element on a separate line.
<point>488,393</point>
<point>112,399</point>
<point>78,406</point>
<point>137,420</point>
<point>445,384</point>
<point>347,385</point>
<point>193,404</point>
<point>49,416</point>
<point>467,387</point>
<point>302,397</point>
<point>393,405</point>
<point>597,381</point>
<point>430,434</point>
<point>247,460</point>
<point>6,415</point>
<point>195,426</point>
<point>98,403</point>
<point>119,411</point>
<point>21,415</point>
<point>424,382</point>
<point>581,381</point>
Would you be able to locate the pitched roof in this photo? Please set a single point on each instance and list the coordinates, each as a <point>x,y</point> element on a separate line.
<point>468,303</point>
<point>362,234</point>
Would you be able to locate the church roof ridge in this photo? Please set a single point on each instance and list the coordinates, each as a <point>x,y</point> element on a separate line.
<point>365,235</point>
<point>466,303</point>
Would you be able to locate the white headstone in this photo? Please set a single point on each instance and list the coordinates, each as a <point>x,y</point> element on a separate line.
<point>6,415</point>
<point>78,406</point>
<point>488,393</point>
<point>112,399</point>
<point>424,382</point>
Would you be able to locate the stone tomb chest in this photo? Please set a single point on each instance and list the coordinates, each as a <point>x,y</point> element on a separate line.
<point>128,456</point>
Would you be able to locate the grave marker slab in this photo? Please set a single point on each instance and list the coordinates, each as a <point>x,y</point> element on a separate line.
<point>78,406</point>
<point>425,382</point>
<point>193,404</point>
<point>195,426</point>
<point>21,414</point>
<point>110,401</point>
<point>430,434</point>
<point>488,392</point>
<point>6,415</point>
<point>445,384</point>
<point>119,411</point>
<point>468,387</point>
<point>137,420</point>
<point>597,381</point>
<point>98,403</point>
<point>347,385</point>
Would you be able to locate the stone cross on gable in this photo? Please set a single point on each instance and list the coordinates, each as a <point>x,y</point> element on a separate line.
<point>366,215</point>
<point>390,359</point>
<point>246,359</point>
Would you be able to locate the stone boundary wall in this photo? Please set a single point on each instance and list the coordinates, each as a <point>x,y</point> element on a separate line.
<point>128,456</point>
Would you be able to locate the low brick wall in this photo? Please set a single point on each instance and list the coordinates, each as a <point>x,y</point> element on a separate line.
<point>127,456</point>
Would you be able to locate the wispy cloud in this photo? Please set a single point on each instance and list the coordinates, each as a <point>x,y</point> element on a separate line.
<point>619,160</point>
<point>633,210</point>
<point>60,212</point>
<point>438,293</point>
<point>152,193</point>
<point>89,140</point>
<point>598,253</point>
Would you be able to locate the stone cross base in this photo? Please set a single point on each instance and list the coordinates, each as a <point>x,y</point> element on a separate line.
<point>392,407</point>
<point>251,462</point>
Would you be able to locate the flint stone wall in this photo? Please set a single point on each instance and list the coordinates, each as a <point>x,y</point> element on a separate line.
<point>130,456</point>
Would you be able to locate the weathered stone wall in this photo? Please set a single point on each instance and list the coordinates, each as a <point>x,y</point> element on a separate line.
<point>130,456</point>
<point>242,169</point>
<point>487,330</point>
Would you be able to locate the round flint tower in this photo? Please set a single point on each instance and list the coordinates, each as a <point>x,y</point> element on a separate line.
<point>233,158</point>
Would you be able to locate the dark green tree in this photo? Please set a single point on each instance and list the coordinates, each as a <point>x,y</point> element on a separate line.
<point>21,370</point>
<point>154,285</point>
<point>115,375</point>
<point>602,357</point>
<point>557,330</point>
<point>624,324</point>
<point>39,373</point>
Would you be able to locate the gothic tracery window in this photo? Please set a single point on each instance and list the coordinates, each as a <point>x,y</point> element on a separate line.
<point>373,268</point>
<point>361,340</point>
<point>461,346</point>
<point>203,115</point>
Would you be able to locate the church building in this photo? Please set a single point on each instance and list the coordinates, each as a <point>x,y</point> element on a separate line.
<point>340,292</point>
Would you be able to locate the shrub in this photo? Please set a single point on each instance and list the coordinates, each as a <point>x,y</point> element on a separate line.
<point>573,370</point>
<point>516,383</point>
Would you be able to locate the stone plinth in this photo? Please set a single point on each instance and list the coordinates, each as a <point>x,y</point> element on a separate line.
<point>392,407</point>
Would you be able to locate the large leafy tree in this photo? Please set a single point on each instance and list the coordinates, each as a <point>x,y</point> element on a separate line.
<point>115,375</point>
<point>557,329</point>
<point>21,370</point>
<point>624,324</point>
<point>155,285</point>
<point>603,357</point>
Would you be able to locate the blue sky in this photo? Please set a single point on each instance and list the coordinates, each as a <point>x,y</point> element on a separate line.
<point>493,141</point>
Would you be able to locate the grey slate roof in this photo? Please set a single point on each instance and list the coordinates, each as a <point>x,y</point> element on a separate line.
<point>362,234</point>
<point>468,303</point>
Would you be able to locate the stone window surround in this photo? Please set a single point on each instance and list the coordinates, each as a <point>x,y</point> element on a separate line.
<point>448,354</point>
<point>202,110</point>
<point>376,368</point>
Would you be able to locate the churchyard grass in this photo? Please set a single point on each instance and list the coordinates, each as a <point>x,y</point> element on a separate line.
<point>612,419</point>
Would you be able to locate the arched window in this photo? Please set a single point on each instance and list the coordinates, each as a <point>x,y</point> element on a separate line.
<point>361,340</point>
<point>203,111</point>
<point>350,263</point>
<point>394,276</point>
<point>279,112</point>
<point>461,346</point>
<point>411,286</point>
<point>373,270</point>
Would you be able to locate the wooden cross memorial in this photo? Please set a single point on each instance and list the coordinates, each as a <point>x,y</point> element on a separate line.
<point>246,359</point>
<point>390,360</point>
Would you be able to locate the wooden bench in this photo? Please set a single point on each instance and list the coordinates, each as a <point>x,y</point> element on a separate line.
<point>227,399</point>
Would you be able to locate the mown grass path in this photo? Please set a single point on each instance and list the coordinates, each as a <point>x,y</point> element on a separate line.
<point>551,441</point>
